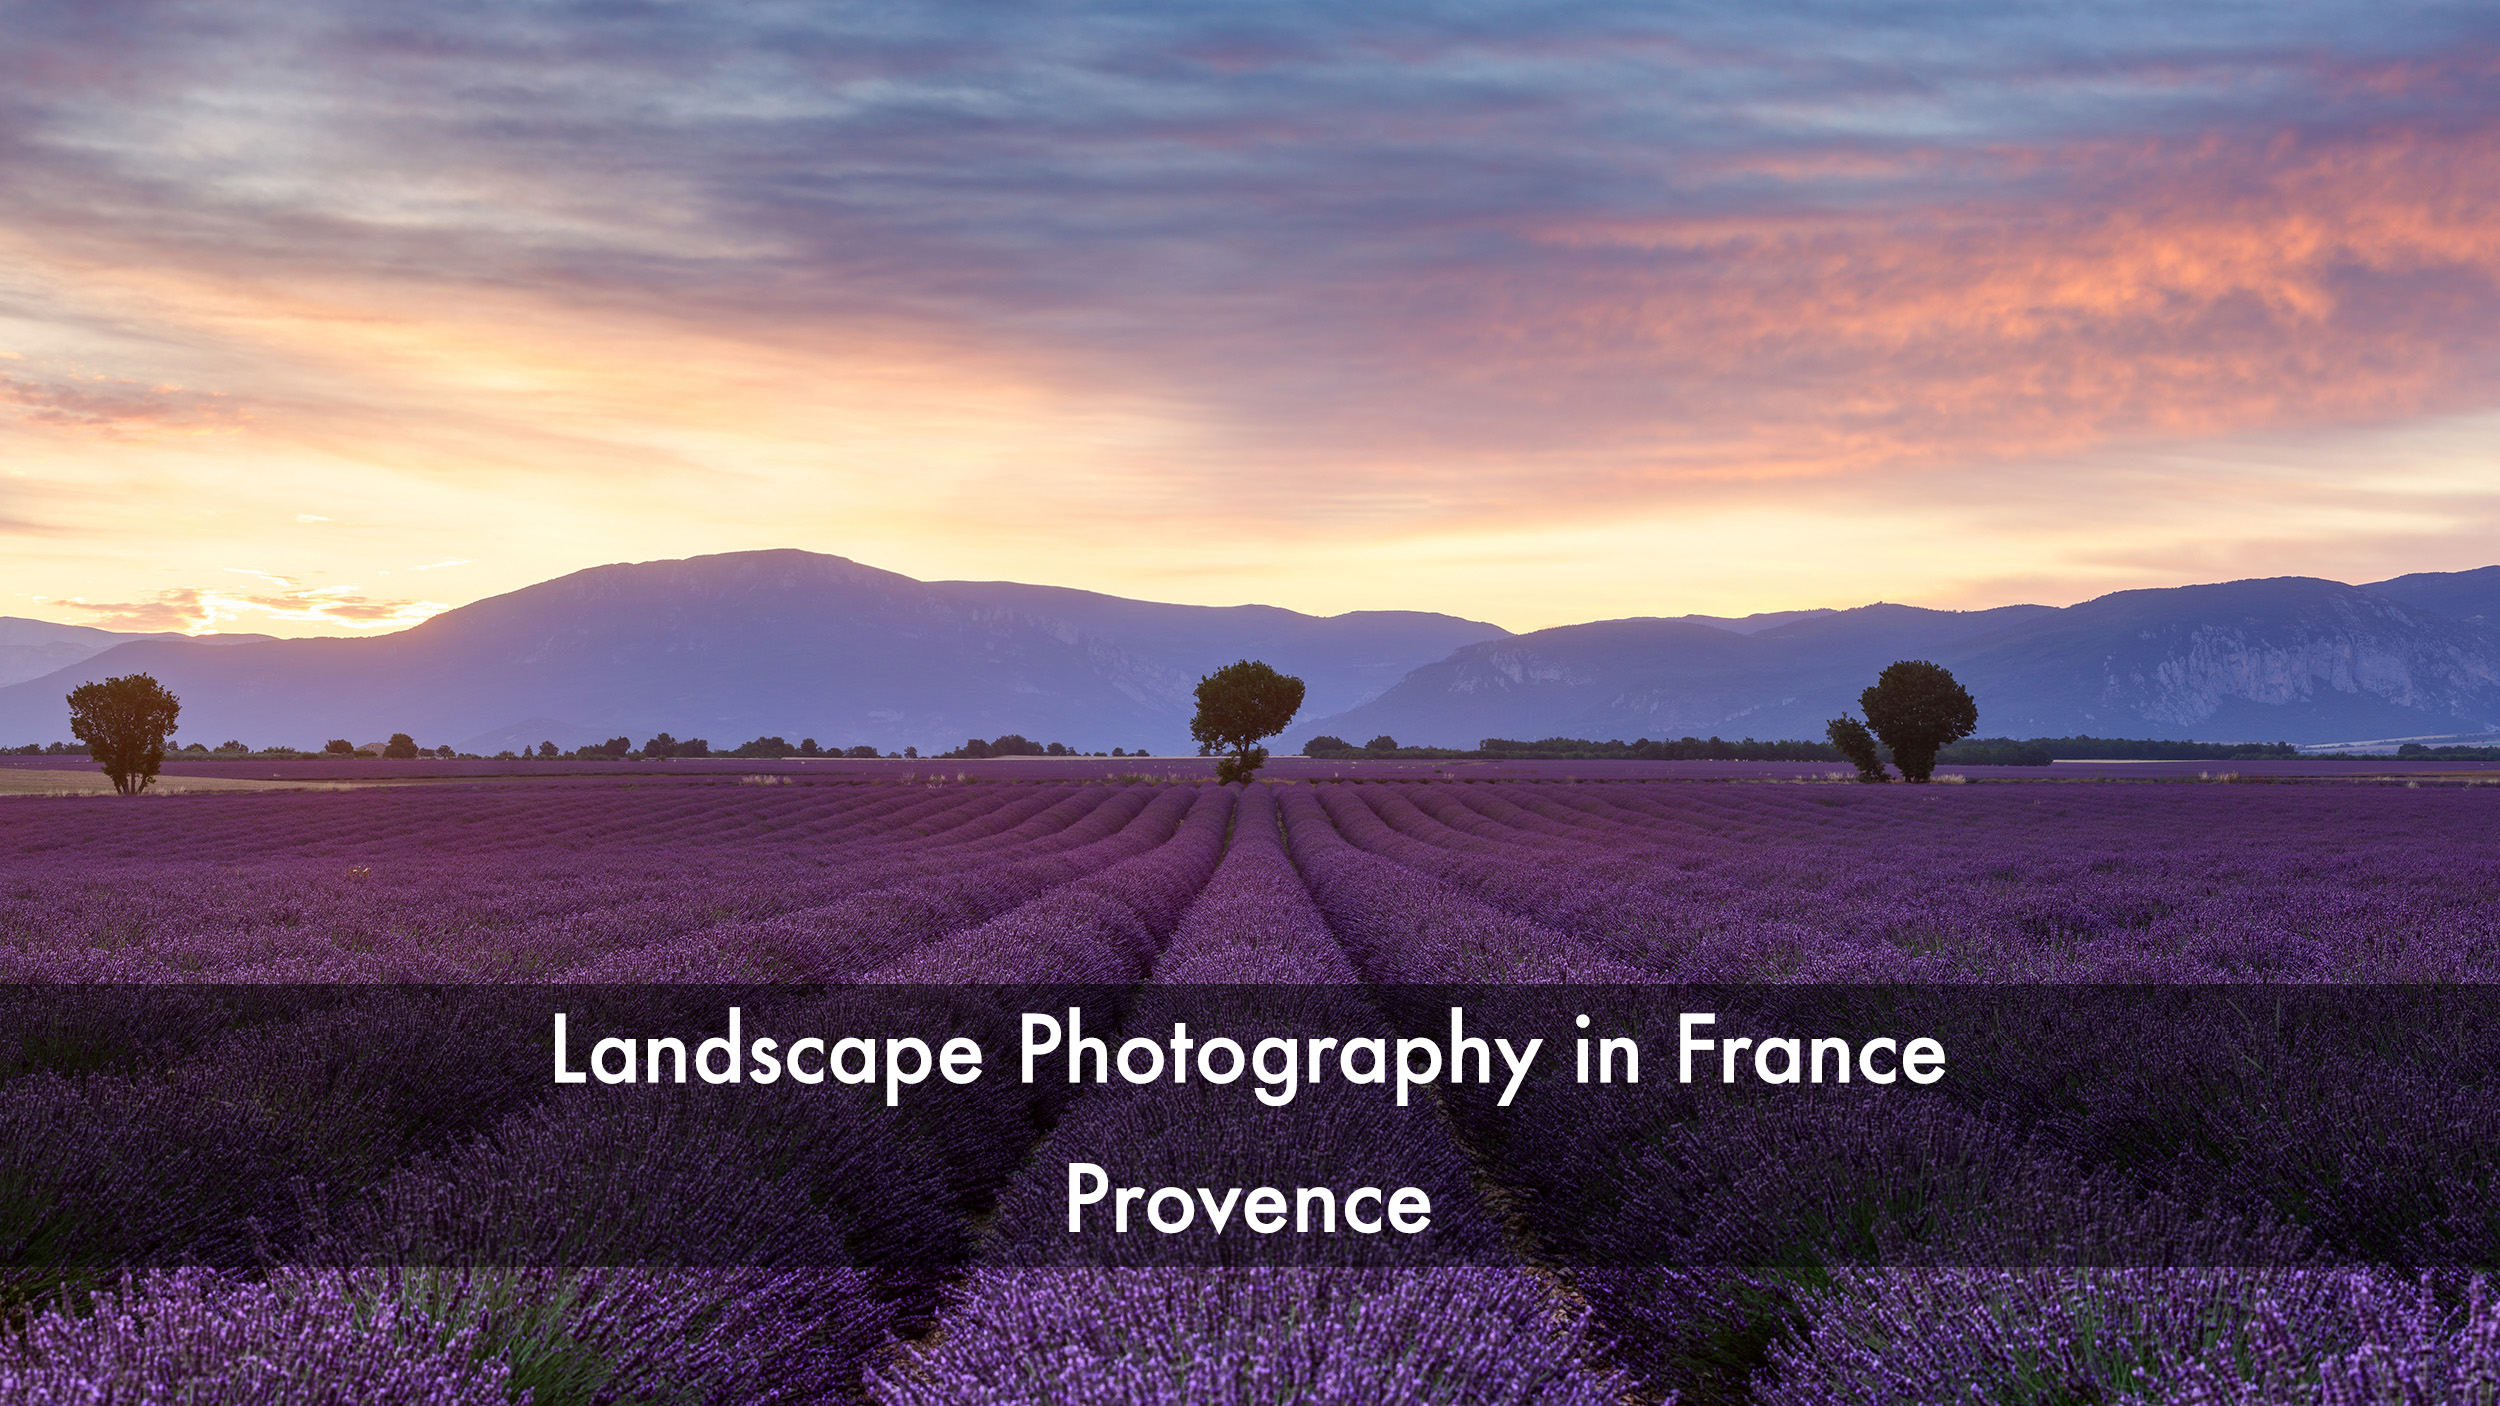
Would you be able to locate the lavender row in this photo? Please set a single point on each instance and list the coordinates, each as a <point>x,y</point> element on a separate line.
<point>535,916</point>
<point>2299,890</point>
<point>1703,1330</point>
<point>852,1194</point>
<point>1019,1330</point>
<point>1402,926</point>
<point>409,914</point>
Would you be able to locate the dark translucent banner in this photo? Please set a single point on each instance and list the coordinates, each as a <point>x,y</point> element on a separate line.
<point>920,1128</point>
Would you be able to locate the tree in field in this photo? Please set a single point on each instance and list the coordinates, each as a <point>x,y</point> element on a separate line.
<point>1383,743</point>
<point>1239,704</point>
<point>400,748</point>
<point>338,747</point>
<point>124,723</point>
<point>1918,709</point>
<point>1858,745</point>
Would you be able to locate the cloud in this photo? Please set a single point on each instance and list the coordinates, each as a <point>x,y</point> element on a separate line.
<point>1309,274</point>
<point>179,610</point>
<point>117,409</point>
<point>197,612</point>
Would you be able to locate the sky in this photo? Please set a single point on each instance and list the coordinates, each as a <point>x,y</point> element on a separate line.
<point>322,319</point>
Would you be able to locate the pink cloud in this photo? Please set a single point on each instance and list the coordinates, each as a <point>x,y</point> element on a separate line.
<point>194,611</point>
<point>117,409</point>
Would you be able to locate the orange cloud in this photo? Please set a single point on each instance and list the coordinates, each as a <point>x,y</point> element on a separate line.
<point>2148,290</point>
<point>199,612</point>
<point>117,409</point>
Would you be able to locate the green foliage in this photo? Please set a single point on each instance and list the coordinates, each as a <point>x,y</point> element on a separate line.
<point>1238,705</point>
<point>338,747</point>
<point>2146,749</point>
<point>1858,745</point>
<point>1995,751</point>
<point>400,748</point>
<point>1320,746</point>
<point>1241,766</point>
<point>2457,754</point>
<point>1917,708</point>
<point>1383,743</point>
<point>1685,749</point>
<point>1013,744</point>
<point>124,722</point>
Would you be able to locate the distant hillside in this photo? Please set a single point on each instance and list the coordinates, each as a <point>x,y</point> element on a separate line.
<point>1660,678</point>
<point>734,646</point>
<point>2291,658</point>
<point>30,649</point>
<point>803,645</point>
<point>2460,595</point>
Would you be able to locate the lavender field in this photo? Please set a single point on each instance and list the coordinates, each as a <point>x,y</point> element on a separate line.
<point>901,1265</point>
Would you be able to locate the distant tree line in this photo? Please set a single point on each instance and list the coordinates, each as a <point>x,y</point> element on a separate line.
<point>2413,750</point>
<point>1016,744</point>
<point>1505,749</point>
<point>1977,751</point>
<point>2154,749</point>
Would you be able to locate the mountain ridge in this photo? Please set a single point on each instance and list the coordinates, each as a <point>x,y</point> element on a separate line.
<point>743,644</point>
<point>797,643</point>
<point>2296,659</point>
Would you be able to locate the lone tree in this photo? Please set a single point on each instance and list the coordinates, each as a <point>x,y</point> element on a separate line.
<point>1858,745</point>
<point>1239,704</point>
<point>124,723</point>
<point>400,748</point>
<point>1918,708</point>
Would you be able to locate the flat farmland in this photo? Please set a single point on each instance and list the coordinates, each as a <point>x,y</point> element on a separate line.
<point>1349,891</point>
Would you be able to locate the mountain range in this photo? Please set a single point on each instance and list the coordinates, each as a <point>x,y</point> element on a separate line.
<point>796,644</point>
<point>2290,658</point>
<point>745,644</point>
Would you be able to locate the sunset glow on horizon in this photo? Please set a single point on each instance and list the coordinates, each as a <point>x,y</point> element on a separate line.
<point>320,324</point>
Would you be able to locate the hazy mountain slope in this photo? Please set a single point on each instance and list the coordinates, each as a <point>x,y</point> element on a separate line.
<point>2461,595</point>
<point>1658,678</point>
<point>2288,657</point>
<point>728,647</point>
<point>30,649</point>
<point>2291,658</point>
<point>804,645</point>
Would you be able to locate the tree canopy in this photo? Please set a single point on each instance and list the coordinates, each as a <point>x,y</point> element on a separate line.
<point>124,722</point>
<point>1917,708</point>
<point>1238,705</point>
<point>1858,745</point>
